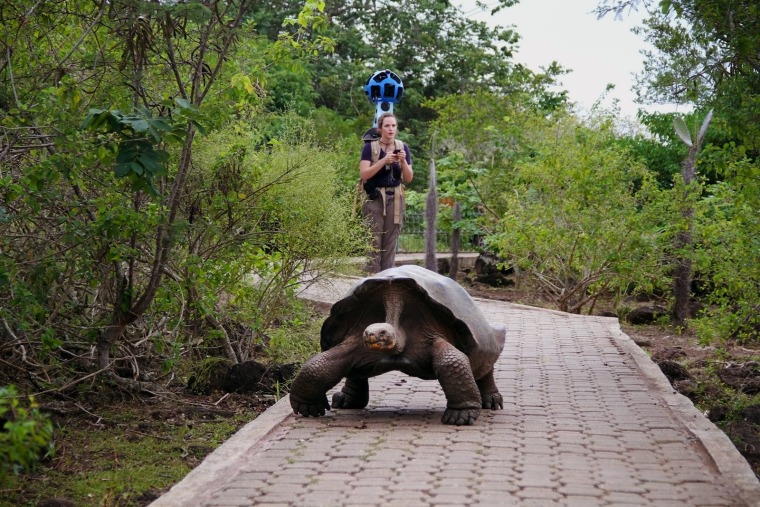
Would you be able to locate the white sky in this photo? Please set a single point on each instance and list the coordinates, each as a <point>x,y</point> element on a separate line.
<point>599,51</point>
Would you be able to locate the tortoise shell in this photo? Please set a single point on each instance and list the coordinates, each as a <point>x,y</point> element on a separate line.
<point>451,306</point>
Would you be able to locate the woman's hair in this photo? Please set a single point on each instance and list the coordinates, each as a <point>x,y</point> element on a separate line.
<point>382,118</point>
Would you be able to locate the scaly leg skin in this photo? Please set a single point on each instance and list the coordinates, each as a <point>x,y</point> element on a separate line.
<point>355,394</point>
<point>452,368</point>
<point>308,393</point>
<point>489,393</point>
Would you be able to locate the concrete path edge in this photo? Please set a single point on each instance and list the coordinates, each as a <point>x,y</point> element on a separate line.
<point>716,443</point>
<point>221,464</point>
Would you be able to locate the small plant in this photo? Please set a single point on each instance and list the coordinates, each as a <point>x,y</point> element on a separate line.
<point>296,339</point>
<point>26,435</point>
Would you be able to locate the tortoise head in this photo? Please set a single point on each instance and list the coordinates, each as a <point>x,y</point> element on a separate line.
<point>382,337</point>
<point>388,336</point>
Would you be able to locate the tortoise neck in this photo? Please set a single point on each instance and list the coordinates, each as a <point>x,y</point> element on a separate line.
<point>394,305</point>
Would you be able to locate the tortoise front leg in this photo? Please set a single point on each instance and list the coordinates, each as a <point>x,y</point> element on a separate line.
<point>452,368</point>
<point>355,394</point>
<point>308,393</point>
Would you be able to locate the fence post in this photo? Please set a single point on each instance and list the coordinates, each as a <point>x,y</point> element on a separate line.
<point>431,214</point>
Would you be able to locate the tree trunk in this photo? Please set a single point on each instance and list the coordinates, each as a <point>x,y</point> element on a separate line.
<point>683,241</point>
<point>684,245</point>
<point>682,288</point>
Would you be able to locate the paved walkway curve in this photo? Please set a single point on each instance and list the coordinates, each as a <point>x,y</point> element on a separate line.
<point>588,420</point>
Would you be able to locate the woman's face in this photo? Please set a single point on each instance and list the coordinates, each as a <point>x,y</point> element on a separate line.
<point>388,128</point>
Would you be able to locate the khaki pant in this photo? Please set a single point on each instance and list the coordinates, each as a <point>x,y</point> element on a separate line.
<point>385,233</point>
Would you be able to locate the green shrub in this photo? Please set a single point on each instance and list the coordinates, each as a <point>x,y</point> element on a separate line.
<point>296,338</point>
<point>26,436</point>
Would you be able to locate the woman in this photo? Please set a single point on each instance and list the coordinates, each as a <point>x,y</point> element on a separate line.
<point>385,165</point>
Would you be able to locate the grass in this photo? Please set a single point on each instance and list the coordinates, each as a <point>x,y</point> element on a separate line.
<point>414,243</point>
<point>125,456</point>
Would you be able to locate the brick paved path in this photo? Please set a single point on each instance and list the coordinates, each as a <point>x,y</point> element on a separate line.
<point>588,420</point>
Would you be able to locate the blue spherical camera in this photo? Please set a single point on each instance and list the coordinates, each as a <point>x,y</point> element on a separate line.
<point>384,86</point>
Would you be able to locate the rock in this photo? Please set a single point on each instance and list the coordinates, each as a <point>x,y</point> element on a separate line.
<point>745,437</point>
<point>209,376</point>
<point>488,272</point>
<point>744,377</point>
<point>56,502</point>
<point>674,371</point>
<point>244,377</point>
<point>751,414</point>
<point>687,387</point>
<point>718,413</point>
<point>642,341</point>
<point>668,354</point>
<point>252,376</point>
<point>646,314</point>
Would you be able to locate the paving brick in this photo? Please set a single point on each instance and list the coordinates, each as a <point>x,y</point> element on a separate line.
<point>275,498</point>
<point>381,474</point>
<point>229,500</point>
<point>620,498</point>
<point>448,499</point>
<point>538,493</point>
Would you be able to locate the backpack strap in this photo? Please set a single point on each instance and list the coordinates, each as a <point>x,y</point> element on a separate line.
<point>376,148</point>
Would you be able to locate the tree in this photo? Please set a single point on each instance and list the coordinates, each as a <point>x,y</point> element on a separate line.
<point>682,271</point>
<point>727,254</point>
<point>573,218</point>
<point>707,54</point>
<point>95,219</point>
<point>432,46</point>
<point>482,135</point>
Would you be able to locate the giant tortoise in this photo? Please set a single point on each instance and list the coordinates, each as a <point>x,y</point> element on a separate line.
<point>409,319</point>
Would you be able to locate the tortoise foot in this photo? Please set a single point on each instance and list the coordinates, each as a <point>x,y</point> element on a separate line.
<point>344,400</point>
<point>494,401</point>
<point>460,417</point>
<point>313,408</point>
<point>355,394</point>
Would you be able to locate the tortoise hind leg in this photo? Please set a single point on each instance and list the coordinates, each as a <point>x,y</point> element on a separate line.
<point>452,368</point>
<point>355,394</point>
<point>489,393</point>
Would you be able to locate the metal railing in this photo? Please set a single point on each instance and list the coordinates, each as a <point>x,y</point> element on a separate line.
<point>412,237</point>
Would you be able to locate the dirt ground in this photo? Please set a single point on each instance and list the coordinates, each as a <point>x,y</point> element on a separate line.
<point>127,451</point>
<point>700,373</point>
